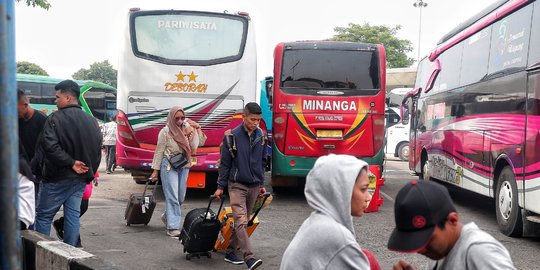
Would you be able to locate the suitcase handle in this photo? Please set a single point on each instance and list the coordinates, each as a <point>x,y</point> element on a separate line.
<point>212,197</point>
<point>146,186</point>
<point>266,195</point>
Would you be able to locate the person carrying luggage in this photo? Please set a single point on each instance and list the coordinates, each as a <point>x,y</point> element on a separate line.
<point>177,142</point>
<point>337,189</point>
<point>243,174</point>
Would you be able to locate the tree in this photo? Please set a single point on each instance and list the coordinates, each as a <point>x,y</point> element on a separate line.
<point>40,3</point>
<point>30,68</point>
<point>396,49</point>
<point>98,71</point>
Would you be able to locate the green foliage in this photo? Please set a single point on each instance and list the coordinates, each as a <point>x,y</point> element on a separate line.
<point>30,68</point>
<point>396,49</point>
<point>98,71</point>
<point>40,3</point>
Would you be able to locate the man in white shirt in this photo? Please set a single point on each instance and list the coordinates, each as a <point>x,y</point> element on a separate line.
<point>109,131</point>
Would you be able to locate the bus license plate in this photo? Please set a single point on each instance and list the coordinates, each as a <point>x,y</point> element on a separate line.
<point>330,133</point>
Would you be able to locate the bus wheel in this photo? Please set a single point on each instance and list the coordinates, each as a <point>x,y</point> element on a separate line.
<point>403,151</point>
<point>506,204</point>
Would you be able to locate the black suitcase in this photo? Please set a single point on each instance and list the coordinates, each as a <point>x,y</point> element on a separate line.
<point>140,207</point>
<point>200,230</point>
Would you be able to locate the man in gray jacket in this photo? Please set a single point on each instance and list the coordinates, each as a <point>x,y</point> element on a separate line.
<point>337,189</point>
<point>427,223</point>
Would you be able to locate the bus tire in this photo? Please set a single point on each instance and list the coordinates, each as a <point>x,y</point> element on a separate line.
<point>506,204</point>
<point>424,174</point>
<point>403,151</point>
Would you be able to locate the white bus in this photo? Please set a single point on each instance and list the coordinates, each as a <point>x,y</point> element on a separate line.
<point>397,133</point>
<point>202,61</point>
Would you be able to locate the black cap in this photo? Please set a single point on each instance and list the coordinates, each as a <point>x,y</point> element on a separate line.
<point>419,207</point>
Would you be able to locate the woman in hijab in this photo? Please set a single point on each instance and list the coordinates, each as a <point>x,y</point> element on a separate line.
<point>179,136</point>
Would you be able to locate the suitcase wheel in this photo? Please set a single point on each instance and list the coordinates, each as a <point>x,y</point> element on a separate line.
<point>146,224</point>
<point>188,257</point>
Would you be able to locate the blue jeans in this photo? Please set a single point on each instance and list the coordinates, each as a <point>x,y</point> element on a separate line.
<point>174,184</point>
<point>52,195</point>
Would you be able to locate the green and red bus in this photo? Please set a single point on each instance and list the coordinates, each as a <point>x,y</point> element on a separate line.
<point>328,97</point>
<point>97,99</point>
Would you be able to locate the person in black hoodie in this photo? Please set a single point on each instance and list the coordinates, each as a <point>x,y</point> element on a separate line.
<point>71,147</point>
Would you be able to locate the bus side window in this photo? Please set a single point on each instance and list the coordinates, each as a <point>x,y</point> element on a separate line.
<point>270,92</point>
<point>48,94</point>
<point>31,90</point>
<point>534,49</point>
<point>392,118</point>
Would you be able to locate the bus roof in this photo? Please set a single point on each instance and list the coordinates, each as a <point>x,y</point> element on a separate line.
<point>478,22</point>
<point>472,20</point>
<point>50,80</point>
<point>328,44</point>
<point>401,91</point>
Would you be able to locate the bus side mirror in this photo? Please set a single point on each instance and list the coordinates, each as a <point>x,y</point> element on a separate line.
<point>405,110</point>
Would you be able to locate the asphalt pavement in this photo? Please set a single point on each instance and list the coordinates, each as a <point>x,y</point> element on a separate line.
<point>105,234</point>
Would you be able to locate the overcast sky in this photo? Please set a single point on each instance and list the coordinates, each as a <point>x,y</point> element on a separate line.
<point>73,34</point>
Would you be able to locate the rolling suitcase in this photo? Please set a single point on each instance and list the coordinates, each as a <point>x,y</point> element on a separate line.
<point>227,222</point>
<point>140,207</point>
<point>200,230</point>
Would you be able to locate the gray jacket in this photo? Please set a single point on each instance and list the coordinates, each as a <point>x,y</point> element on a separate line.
<point>326,239</point>
<point>475,249</point>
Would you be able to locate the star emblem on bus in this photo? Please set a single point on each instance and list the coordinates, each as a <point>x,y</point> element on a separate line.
<point>192,77</point>
<point>180,76</point>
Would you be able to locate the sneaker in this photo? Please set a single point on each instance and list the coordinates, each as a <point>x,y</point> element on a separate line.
<point>57,225</point>
<point>232,258</point>
<point>164,219</point>
<point>79,244</point>
<point>253,263</point>
<point>173,233</point>
<point>108,172</point>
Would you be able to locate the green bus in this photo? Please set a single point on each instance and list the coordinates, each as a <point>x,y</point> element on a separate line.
<point>97,99</point>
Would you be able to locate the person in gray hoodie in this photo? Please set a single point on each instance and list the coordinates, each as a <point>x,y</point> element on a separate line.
<point>337,189</point>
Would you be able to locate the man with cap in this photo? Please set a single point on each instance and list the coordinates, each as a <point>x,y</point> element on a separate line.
<point>427,223</point>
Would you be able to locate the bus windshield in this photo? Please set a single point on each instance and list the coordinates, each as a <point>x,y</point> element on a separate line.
<point>178,37</point>
<point>356,71</point>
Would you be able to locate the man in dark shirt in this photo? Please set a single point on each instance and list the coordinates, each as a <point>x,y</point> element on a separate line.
<point>31,123</point>
<point>71,145</point>
<point>244,177</point>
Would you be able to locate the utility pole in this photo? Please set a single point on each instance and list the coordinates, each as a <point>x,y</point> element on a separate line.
<point>10,240</point>
<point>419,4</point>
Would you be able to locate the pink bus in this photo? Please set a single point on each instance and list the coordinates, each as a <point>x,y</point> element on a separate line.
<point>475,112</point>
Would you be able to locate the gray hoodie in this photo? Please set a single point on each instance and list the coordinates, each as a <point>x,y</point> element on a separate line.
<point>326,239</point>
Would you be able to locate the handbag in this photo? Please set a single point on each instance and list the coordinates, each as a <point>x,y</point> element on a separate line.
<point>178,161</point>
